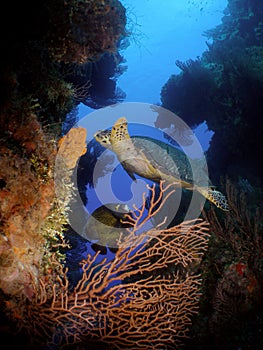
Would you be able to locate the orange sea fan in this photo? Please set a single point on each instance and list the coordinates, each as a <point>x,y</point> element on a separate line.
<point>143,298</point>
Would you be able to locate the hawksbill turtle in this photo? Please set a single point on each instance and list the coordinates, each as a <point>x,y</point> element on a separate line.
<point>155,160</point>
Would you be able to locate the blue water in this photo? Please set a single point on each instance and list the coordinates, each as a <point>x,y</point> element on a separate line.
<point>165,31</point>
<point>161,33</point>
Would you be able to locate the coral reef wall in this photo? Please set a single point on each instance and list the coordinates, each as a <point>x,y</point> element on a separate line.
<point>231,305</point>
<point>44,54</point>
<point>224,88</point>
<point>44,46</point>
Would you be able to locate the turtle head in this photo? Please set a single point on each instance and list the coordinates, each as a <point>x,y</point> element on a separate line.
<point>118,132</point>
<point>103,137</point>
<point>109,138</point>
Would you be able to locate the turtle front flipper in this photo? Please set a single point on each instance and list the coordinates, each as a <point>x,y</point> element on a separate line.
<point>119,131</point>
<point>215,197</point>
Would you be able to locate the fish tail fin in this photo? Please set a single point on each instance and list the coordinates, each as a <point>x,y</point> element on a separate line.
<point>99,248</point>
<point>215,197</point>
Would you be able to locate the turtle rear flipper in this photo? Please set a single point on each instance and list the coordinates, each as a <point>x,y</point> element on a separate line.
<point>218,199</point>
<point>215,197</point>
